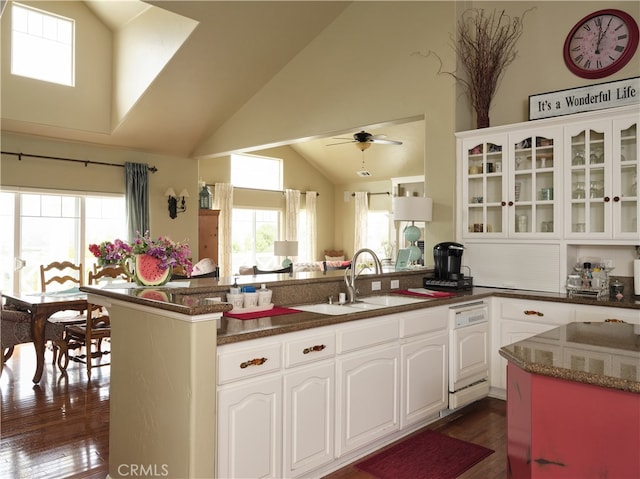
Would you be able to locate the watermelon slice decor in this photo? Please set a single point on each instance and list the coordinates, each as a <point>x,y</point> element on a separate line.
<point>153,294</point>
<point>149,272</point>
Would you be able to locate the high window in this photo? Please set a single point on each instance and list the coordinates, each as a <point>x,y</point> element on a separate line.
<point>38,228</point>
<point>257,172</point>
<point>42,45</point>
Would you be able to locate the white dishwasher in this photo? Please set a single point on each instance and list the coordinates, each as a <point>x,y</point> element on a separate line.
<point>468,353</point>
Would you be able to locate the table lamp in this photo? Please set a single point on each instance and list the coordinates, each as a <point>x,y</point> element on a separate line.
<point>285,248</point>
<point>412,208</point>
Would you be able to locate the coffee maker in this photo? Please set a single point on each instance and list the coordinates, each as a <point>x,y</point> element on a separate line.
<point>447,259</point>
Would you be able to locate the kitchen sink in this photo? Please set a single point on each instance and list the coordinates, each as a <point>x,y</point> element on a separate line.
<point>370,303</point>
<point>392,300</point>
<point>326,308</point>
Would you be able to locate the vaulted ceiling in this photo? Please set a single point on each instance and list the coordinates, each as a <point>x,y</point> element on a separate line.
<point>235,50</point>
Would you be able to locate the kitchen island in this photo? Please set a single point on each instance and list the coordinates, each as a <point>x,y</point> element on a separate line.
<point>164,356</point>
<point>573,402</point>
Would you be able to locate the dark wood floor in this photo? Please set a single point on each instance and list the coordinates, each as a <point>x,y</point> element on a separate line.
<point>60,428</point>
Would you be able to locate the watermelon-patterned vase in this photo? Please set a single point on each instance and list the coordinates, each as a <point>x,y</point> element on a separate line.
<point>146,270</point>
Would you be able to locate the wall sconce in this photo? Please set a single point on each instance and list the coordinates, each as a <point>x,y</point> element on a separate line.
<point>285,248</point>
<point>174,209</point>
<point>412,208</point>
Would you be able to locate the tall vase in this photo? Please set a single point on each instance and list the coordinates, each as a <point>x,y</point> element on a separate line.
<point>146,270</point>
<point>482,119</point>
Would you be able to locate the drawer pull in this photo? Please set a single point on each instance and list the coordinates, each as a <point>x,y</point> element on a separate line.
<point>530,313</point>
<point>253,362</point>
<point>317,347</point>
<point>611,320</point>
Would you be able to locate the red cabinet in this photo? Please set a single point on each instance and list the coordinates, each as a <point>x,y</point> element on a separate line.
<point>563,429</point>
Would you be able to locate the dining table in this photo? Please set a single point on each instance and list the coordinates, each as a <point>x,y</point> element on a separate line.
<point>42,306</point>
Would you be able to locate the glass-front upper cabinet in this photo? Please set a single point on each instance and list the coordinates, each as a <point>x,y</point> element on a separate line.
<point>534,182</point>
<point>626,162</point>
<point>484,177</point>
<point>603,184</point>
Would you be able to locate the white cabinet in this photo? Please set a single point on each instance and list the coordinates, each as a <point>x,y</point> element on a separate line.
<point>250,429</point>
<point>308,418</point>
<point>511,180</point>
<point>601,194</point>
<point>424,354</point>
<point>471,356</point>
<point>516,320</point>
<point>368,381</point>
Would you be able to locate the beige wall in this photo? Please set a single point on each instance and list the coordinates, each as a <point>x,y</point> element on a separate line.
<point>177,173</point>
<point>361,70</point>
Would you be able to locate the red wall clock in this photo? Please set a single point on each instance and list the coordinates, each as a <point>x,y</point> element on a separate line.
<point>601,43</point>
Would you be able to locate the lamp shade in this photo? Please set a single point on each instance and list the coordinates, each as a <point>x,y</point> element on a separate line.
<point>170,192</point>
<point>412,208</point>
<point>285,248</point>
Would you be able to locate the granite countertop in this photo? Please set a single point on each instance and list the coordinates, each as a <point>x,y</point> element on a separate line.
<point>612,351</point>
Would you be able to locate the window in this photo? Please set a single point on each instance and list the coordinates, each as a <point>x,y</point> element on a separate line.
<point>256,172</point>
<point>254,232</point>
<point>42,45</point>
<point>28,221</point>
<point>378,233</point>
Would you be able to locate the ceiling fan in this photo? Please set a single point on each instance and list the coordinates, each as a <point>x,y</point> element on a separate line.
<point>363,140</point>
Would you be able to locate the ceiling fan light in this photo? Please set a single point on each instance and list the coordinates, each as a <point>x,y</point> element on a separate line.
<point>363,146</point>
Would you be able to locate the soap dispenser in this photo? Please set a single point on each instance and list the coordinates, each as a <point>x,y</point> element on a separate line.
<point>264,295</point>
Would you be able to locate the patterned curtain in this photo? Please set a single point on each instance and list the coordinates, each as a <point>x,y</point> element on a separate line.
<point>137,198</point>
<point>223,201</point>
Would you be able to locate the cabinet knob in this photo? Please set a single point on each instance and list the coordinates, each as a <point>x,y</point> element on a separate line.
<point>530,313</point>
<point>504,203</point>
<point>253,362</point>
<point>317,347</point>
<point>510,203</point>
<point>616,198</point>
<point>607,199</point>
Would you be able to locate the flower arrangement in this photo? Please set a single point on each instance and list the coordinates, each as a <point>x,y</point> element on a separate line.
<point>109,252</point>
<point>170,254</point>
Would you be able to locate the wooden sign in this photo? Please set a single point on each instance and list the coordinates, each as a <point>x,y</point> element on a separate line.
<point>587,98</point>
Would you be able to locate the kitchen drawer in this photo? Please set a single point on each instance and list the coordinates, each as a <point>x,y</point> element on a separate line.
<point>596,314</point>
<point>235,363</point>
<point>368,333</point>
<point>424,321</point>
<point>537,311</point>
<point>309,348</point>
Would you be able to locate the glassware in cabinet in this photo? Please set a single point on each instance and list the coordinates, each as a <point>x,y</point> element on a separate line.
<point>626,209</point>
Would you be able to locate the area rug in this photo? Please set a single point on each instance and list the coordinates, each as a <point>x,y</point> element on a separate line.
<point>426,455</point>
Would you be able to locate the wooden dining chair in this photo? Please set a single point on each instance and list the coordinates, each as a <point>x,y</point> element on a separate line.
<point>96,328</point>
<point>288,269</point>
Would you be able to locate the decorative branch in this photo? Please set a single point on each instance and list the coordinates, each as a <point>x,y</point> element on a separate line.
<point>485,47</point>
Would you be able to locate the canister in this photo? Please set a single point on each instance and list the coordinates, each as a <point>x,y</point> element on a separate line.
<point>615,288</point>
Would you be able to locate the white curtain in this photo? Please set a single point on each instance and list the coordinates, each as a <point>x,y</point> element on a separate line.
<point>312,218</point>
<point>361,220</point>
<point>223,201</point>
<point>292,210</point>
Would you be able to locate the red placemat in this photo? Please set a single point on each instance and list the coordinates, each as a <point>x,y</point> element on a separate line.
<point>434,294</point>
<point>275,311</point>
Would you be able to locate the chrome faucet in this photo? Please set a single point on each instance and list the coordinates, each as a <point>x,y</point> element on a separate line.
<point>350,274</point>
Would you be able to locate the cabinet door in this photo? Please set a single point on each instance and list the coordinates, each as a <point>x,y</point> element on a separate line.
<point>534,180</point>
<point>424,378</point>
<point>483,174</point>
<point>208,234</point>
<point>309,418</point>
<point>367,392</point>
<point>470,354</point>
<point>512,332</point>
<point>250,430</point>
<point>626,162</point>
<point>588,186</point>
